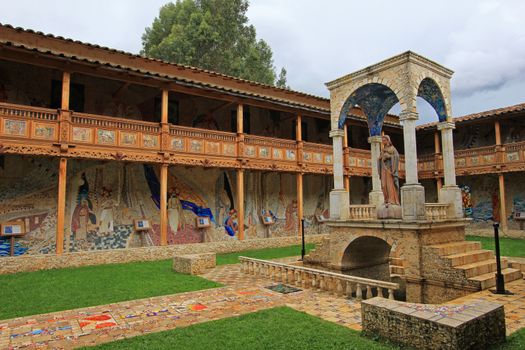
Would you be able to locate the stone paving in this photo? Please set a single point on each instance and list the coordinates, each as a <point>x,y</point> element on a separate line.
<point>242,294</point>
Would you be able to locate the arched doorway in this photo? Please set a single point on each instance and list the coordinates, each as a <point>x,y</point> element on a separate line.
<point>368,257</point>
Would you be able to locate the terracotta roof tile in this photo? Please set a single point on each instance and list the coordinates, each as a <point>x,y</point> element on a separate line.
<point>485,114</point>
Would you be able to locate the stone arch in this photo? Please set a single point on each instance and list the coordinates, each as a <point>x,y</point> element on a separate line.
<point>375,99</point>
<point>431,91</point>
<point>367,256</point>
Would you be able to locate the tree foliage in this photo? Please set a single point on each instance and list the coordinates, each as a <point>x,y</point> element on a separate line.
<point>213,35</point>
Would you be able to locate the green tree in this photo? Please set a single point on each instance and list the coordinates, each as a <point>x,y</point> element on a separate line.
<point>281,81</point>
<point>213,35</point>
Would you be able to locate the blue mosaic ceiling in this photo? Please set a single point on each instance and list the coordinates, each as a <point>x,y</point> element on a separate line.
<point>430,92</point>
<point>375,100</point>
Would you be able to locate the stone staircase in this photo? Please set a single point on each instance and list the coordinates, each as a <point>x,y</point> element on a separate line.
<point>467,262</point>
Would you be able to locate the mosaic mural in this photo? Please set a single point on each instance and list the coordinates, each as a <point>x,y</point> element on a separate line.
<point>104,198</point>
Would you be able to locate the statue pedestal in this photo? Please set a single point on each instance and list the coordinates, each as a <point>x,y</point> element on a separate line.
<point>389,211</point>
<point>413,202</point>
<point>376,198</point>
<point>339,205</point>
<point>452,195</point>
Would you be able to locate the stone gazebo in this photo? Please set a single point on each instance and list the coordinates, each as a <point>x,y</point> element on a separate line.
<point>376,89</point>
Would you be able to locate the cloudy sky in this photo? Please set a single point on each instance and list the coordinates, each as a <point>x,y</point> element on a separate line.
<point>483,41</point>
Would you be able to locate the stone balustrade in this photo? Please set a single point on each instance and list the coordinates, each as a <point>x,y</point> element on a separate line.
<point>305,277</point>
<point>436,211</point>
<point>363,212</point>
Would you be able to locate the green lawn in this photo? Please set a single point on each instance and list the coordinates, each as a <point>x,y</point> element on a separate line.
<point>31,293</point>
<point>269,253</point>
<point>278,328</point>
<point>508,246</point>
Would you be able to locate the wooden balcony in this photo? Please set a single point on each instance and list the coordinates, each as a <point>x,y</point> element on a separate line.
<point>42,131</point>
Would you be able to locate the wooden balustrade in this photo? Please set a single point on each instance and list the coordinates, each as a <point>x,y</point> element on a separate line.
<point>12,110</point>
<point>44,124</point>
<point>309,278</point>
<point>363,212</point>
<point>436,211</point>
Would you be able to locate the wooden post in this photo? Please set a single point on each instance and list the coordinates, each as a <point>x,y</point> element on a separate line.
<point>61,206</point>
<point>164,107</point>
<point>299,139</point>
<point>240,118</point>
<point>437,143</point>
<point>439,183</point>
<point>240,202</point>
<point>66,82</point>
<point>163,204</point>
<point>503,208</point>
<point>299,202</point>
<point>298,128</point>
<point>497,129</point>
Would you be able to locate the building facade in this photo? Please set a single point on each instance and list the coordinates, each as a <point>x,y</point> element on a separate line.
<point>95,142</point>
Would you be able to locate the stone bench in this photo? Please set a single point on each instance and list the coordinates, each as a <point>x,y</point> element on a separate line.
<point>194,264</point>
<point>471,326</point>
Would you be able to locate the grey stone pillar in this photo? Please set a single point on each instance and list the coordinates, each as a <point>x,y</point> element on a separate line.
<point>376,197</point>
<point>339,199</point>
<point>450,192</point>
<point>412,193</point>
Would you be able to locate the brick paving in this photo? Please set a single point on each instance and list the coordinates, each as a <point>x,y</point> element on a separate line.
<point>242,294</point>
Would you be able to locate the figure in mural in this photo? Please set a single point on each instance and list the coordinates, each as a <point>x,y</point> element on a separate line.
<point>175,213</point>
<point>83,217</point>
<point>230,224</point>
<point>224,206</point>
<point>388,171</point>
<point>291,216</point>
<point>106,214</point>
<point>466,198</point>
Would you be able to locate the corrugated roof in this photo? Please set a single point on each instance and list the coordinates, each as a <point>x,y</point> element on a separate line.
<point>159,64</point>
<point>485,114</point>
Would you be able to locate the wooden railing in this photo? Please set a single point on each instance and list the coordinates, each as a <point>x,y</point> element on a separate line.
<point>363,212</point>
<point>436,211</point>
<point>110,131</point>
<point>317,153</point>
<point>305,277</point>
<point>21,122</point>
<point>27,122</point>
<point>193,140</point>
<point>270,148</point>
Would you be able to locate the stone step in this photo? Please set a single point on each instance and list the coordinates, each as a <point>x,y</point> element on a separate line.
<point>470,257</point>
<point>517,264</point>
<point>456,247</point>
<point>397,270</point>
<point>481,267</point>
<point>488,280</point>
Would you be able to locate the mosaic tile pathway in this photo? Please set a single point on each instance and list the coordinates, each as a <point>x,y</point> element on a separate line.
<point>242,294</point>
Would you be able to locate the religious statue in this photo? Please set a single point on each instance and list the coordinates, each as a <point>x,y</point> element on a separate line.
<point>107,205</point>
<point>388,171</point>
<point>175,211</point>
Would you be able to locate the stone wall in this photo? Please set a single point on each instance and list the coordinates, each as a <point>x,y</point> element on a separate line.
<point>461,327</point>
<point>27,263</point>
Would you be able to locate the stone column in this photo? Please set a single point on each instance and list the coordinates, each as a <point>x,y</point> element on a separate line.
<point>450,192</point>
<point>412,193</point>
<point>338,196</point>
<point>375,197</point>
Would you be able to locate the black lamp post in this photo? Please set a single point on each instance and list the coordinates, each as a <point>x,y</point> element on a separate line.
<point>500,281</point>
<point>303,250</point>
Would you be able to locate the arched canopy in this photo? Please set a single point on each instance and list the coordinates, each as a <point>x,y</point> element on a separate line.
<point>375,100</point>
<point>430,92</point>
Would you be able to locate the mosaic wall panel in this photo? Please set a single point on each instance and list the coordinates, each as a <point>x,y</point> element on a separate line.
<point>45,131</point>
<point>177,144</point>
<point>129,139</point>
<point>15,127</point>
<point>150,141</point>
<point>106,137</point>
<point>81,134</point>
